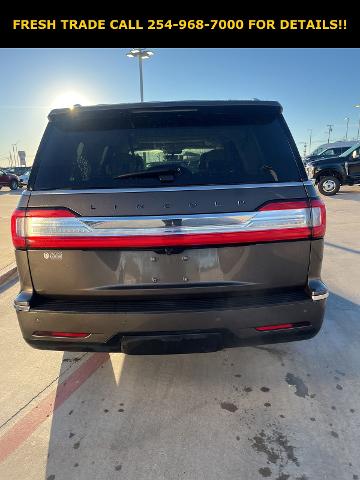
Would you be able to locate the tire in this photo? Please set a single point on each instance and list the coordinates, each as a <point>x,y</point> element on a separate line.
<point>13,185</point>
<point>329,186</point>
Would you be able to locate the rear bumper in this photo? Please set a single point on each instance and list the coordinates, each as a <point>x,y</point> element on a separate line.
<point>197,325</point>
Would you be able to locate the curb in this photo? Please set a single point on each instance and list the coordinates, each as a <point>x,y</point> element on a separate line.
<point>7,272</point>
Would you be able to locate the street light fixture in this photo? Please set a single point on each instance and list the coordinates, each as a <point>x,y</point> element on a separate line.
<point>358,130</point>
<point>141,54</point>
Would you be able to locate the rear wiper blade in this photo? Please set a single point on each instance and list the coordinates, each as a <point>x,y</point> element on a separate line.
<point>150,173</point>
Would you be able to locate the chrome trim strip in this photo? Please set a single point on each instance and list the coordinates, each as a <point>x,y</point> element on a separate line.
<point>172,189</point>
<point>168,224</point>
<point>315,296</point>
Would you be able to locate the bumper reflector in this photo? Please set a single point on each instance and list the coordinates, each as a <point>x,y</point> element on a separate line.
<point>281,326</point>
<point>61,334</point>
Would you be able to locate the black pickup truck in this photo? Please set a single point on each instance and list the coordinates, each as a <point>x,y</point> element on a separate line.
<point>332,172</point>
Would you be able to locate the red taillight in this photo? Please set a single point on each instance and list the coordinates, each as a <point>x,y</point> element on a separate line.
<point>145,241</point>
<point>49,213</point>
<point>284,205</point>
<point>61,334</point>
<point>18,228</point>
<point>318,212</point>
<point>18,222</point>
<point>61,228</point>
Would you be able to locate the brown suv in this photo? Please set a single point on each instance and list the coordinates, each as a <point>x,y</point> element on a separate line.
<point>168,227</point>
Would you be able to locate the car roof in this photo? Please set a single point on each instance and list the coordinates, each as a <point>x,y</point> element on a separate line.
<point>340,143</point>
<point>146,106</point>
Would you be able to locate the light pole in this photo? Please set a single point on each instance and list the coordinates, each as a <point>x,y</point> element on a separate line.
<point>347,127</point>
<point>14,154</point>
<point>13,151</point>
<point>310,138</point>
<point>329,132</point>
<point>358,131</point>
<point>141,54</point>
<point>305,145</point>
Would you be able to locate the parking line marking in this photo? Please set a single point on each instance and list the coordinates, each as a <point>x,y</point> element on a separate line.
<point>22,429</point>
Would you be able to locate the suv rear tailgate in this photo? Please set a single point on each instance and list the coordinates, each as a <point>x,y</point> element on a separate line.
<point>179,269</point>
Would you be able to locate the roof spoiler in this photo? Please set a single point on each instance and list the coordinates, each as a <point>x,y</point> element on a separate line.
<point>152,107</point>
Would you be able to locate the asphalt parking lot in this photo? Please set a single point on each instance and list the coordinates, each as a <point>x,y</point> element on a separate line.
<point>290,411</point>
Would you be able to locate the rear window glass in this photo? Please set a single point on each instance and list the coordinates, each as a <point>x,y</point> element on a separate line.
<point>154,150</point>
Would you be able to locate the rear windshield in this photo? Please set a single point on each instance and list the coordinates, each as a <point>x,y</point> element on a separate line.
<point>172,149</point>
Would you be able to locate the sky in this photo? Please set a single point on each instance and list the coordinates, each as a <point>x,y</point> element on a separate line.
<point>316,87</point>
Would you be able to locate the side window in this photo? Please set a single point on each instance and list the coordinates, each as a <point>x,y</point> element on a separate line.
<point>328,153</point>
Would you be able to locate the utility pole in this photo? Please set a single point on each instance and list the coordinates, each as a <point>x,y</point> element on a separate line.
<point>347,127</point>
<point>304,152</point>
<point>358,132</point>
<point>329,132</point>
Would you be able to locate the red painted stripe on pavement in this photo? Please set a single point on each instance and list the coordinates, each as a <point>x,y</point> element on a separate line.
<point>22,429</point>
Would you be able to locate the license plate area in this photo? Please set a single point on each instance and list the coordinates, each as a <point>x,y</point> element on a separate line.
<point>161,268</point>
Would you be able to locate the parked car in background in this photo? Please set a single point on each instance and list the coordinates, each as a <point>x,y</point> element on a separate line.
<point>326,150</point>
<point>332,172</point>
<point>125,248</point>
<point>17,170</point>
<point>8,180</point>
<point>24,178</point>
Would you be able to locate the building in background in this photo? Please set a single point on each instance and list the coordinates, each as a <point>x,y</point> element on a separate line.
<point>22,158</point>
